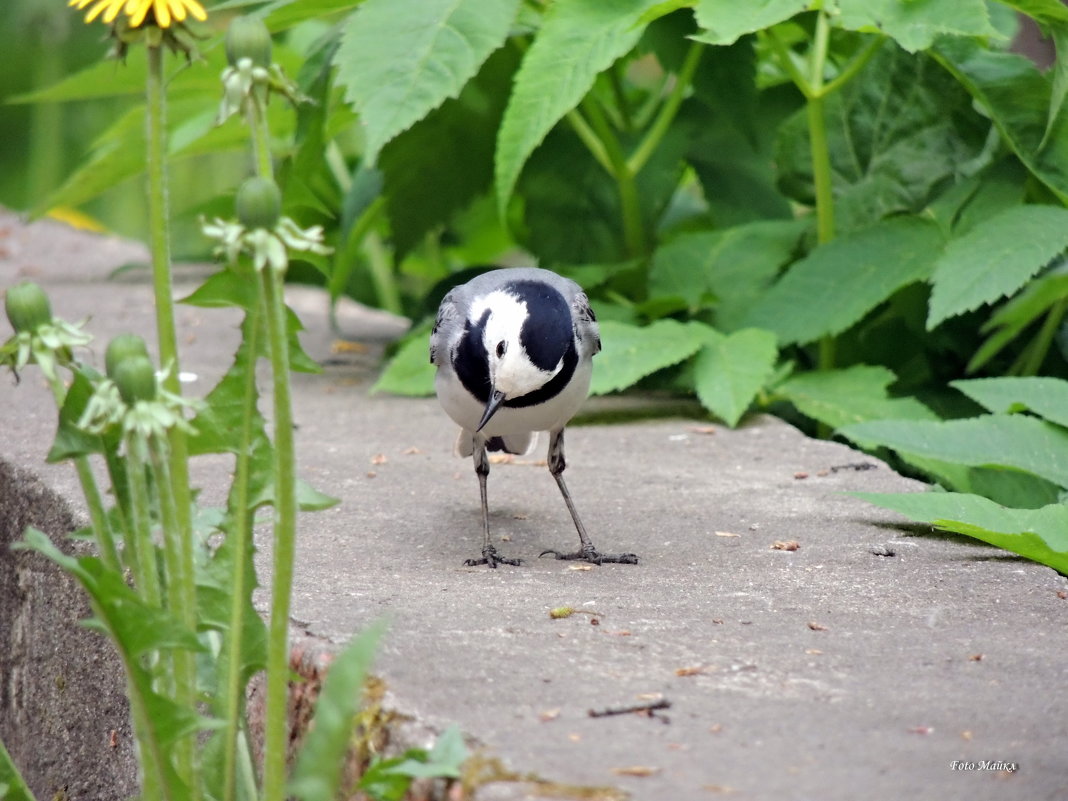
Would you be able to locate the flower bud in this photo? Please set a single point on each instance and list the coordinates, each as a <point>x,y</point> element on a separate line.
<point>135,378</point>
<point>248,37</point>
<point>121,348</point>
<point>27,307</point>
<point>259,203</point>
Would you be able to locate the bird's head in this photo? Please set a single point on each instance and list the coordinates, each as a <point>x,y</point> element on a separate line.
<point>526,330</point>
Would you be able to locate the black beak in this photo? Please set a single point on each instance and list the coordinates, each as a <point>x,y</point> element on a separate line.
<point>495,401</point>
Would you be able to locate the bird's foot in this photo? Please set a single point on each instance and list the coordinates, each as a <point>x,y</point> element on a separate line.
<point>490,558</point>
<point>592,555</point>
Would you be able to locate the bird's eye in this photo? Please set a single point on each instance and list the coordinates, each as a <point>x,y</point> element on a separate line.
<point>501,348</point>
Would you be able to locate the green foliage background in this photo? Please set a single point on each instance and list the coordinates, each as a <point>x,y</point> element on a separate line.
<point>849,212</point>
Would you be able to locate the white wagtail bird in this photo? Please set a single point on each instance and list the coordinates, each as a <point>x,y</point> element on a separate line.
<point>514,354</point>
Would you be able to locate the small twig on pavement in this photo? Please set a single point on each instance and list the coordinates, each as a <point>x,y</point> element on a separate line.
<point>648,709</point>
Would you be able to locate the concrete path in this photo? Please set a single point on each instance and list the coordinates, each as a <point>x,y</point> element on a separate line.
<point>874,661</point>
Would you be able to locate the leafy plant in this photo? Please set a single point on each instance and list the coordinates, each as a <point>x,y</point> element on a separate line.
<point>171,583</point>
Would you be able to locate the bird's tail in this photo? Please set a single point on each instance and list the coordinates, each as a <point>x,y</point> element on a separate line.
<point>519,444</point>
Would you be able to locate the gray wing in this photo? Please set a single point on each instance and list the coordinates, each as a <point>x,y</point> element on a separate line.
<point>447,320</point>
<point>586,328</point>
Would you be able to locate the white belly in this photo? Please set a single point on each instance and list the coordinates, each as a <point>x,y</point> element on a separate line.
<point>553,414</point>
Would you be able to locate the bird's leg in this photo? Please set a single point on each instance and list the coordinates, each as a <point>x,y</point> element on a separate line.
<point>489,553</point>
<point>586,552</point>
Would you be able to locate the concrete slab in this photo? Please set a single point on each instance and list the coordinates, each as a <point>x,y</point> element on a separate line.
<point>875,660</point>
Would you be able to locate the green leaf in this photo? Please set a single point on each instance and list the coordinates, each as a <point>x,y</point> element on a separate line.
<point>1038,534</point>
<point>1018,99</point>
<point>1013,441</point>
<point>12,786</point>
<point>400,59</point>
<point>725,21</point>
<point>839,397</point>
<point>730,370</point>
<point>838,283</point>
<point>444,759</point>
<point>577,40</point>
<point>1013,317</point>
<point>309,499</point>
<point>409,372</point>
<point>727,269</point>
<point>284,15</point>
<point>317,775</point>
<point>443,162</point>
<point>632,352</point>
<point>1046,397</point>
<point>915,24</point>
<point>898,133</point>
<point>995,259</point>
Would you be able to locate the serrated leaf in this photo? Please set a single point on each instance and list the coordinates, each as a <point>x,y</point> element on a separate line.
<point>897,134</point>
<point>732,266</point>
<point>917,23</point>
<point>725,21</point>
<point>995,259</point>
<point>632,352</point>
<point>1038,534</point>
<point>409,372</point>
<point>1015,442</point>
<point>1018,98</point>
<point>444,759</point>
<point>443,162</point>
<point>317,774</point>
<point>838,283</point>
<point>730,370</point>
<point>577,40</point>
<point>839,397</point>
<point>1046,397</point>
<point>400,59</point>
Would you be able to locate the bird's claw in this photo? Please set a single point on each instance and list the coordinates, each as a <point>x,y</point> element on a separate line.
<point>490,558</point>
<point>593,556</point>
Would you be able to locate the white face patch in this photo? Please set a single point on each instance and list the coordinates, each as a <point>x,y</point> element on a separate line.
<point>511,371</point>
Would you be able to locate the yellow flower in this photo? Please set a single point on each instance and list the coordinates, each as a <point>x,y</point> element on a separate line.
<point>164,11</point>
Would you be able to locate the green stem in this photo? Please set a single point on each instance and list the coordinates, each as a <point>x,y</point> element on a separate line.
<point>181,600</point>
<point>159,245</point>
<point>633,227</point>
<point>853,67</point>
<point>667,112</point>
<point>381,269</point>
<point>261,134</point>
<point>620,96</point>
<point>242,544</point>
<point>285,535</point>
<point>139,538</point>
<point>98,518</point>
<point>1039,348</point>
<point>589,139</point>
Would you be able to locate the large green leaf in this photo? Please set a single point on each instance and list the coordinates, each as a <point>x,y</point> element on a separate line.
<point>837,398</point>
<point>1006,441</point>
<point>838,283</point>
<point>409,372</point>
<point>1047,397</point>
<point>441,163</point>
<point>317,774</point>
<point>897,134</point>
<point>578,40</point>
<point>400,59</point>
<point>632,352</point>
<point>725,21</point>
<point>730,370</point>
<point>996,259</point>
<point>915,24</point>
<point>1018,98</point>
<point>727,268</point>
<point>1038,534</point>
